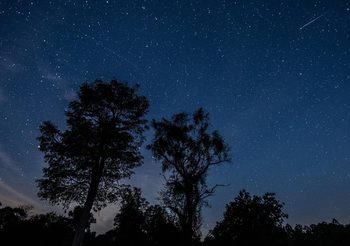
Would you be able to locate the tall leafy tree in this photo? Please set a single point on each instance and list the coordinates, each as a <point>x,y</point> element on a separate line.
<point>187,149</point>
<point>99,147</point>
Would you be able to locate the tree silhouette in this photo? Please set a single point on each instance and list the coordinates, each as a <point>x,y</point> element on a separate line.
<point>324,234</point>
<point>187,150</point>
<point>250,220</point>
<point>130,220</point>
<point>12,216</point>
<point>138,223</point>
<point>48,229</point>
<point>12,224</point>
<point>99,147</point>
<point>17,228</point>
<point>247,221</point>
<point>160,227</point>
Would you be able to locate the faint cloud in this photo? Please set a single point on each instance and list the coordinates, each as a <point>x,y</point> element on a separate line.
<point>57,80</point>
<point>8,194</point>
<point>70,95</point>
<point>105,218</point>
<point>53,77</point>
<point>7,162</point>
<point>151,183</point>
<point>10,64</point>
<point>12,197</point>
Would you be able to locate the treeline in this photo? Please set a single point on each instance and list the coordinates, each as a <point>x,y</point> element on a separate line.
<point>248,220</point>
<point>101,145</point>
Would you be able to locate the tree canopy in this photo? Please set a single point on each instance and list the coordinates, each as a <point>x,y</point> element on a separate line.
<point>187,149</point>
<point>99,147</point>
<point>249,220</point>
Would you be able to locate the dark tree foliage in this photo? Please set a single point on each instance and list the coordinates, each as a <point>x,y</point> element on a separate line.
<point>17,228</point>
<point>187,149</point>
<point>10,217</point>
<point>138,223</point>
<point>12,224</point>
<point>130,221</point>
<point>49,229</point>
<point>99,147</point>
<point>161,228</point>
<point>249,220</point>
<point>323,234</point>
<point>157,228</point>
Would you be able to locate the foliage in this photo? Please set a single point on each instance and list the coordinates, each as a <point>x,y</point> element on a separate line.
<point>100,146</point>
<point>18,228</point>
<point>138,223</point>
<point>160,227</point>
<point>130,220</point>
<point>322,234</point>
<point>103,135</point>
<point>187,149</point>
<point>156,228</point>
<point>249,220</point>
<point>12,216</point>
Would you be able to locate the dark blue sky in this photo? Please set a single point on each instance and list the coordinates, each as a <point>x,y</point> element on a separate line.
<point>274,76</point>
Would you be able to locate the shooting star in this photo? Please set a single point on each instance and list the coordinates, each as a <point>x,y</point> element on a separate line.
<point>310,22</point>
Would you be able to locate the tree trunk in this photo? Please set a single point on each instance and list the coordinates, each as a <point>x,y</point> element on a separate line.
<point>188,228</point>
<point>84,218</point>
<point>187,236</point>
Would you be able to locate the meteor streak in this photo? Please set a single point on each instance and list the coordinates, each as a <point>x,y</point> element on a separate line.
<point>310,22</point>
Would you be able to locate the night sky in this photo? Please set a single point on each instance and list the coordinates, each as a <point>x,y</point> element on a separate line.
<point>274,76</point>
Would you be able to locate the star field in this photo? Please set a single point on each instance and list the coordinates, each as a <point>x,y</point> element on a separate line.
<point>274,76</point>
